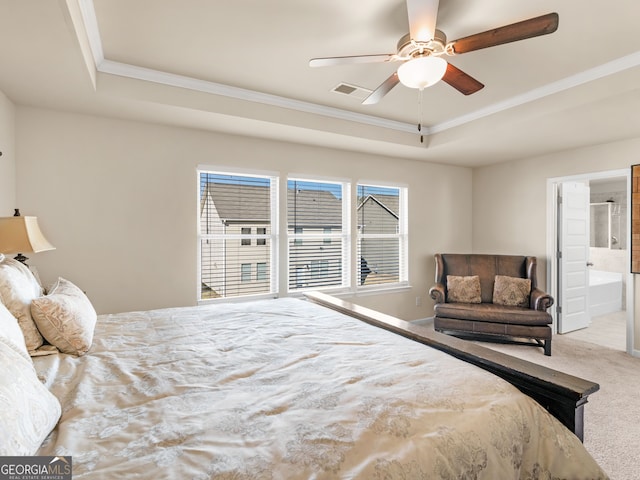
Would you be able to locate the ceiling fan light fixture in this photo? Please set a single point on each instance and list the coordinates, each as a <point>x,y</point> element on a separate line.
<point>422,72</point>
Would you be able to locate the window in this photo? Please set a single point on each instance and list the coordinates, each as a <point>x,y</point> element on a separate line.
<point>245,231</point>
<point>239,242</point>
<point>245,272</point>
<point>231,207</point>
<point>261,231</point>
<point>318,232</point>
<point>319,268</point>
<point>261,271</point>
<point>382,235</point>
<point>327,239</point>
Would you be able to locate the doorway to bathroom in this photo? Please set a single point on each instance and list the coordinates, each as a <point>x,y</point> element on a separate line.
<point>590,219</point>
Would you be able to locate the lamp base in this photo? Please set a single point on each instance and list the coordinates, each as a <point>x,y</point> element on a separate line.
<point>21,258</point>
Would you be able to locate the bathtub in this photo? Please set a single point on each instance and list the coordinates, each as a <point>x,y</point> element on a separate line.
<point>605,292</point>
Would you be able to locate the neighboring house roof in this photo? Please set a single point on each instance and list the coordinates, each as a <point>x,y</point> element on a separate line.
<point>391,203</point>
<point>306,208</point>
<point>239,203</point>
<point>313,208</point>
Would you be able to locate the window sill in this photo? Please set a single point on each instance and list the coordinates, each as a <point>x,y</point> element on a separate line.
<point>244,298</point>
<point>336,292</point>
<point>377,290</point>
<point>367,291</point>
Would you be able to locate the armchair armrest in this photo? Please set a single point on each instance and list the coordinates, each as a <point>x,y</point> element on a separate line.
<point>437,293</point>
<point>540,300</point>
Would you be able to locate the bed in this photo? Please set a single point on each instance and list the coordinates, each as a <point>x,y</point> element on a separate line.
<point>287,388</point>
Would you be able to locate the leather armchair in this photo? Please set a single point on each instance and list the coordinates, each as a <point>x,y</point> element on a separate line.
<point>521,324</point>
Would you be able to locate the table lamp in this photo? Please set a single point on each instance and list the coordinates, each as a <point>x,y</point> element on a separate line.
<point>21,235</point>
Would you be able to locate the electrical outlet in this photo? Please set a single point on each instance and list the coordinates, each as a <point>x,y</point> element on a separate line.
<point>418,301</point>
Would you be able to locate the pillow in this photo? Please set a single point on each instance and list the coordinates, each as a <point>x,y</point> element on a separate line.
<point>28,411</point>
<point>463,289</point>
<point>11,333</point>
<point>18,287</point>
<point>65,317</point>
<point>511,291</point>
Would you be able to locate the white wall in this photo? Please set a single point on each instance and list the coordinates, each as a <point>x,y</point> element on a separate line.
<point>119,201</point>
<point>509,199</point>
<point>7,159</point>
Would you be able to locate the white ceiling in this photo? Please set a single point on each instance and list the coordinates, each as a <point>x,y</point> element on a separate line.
<point>241,66</point>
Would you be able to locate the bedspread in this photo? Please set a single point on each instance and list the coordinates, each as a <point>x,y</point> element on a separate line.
<point>284,388</point>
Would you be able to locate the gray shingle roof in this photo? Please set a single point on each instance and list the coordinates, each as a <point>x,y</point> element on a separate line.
<point>389,202</point>
<point>240,203</point>
<point>251,203</point>
<point>313,208</point>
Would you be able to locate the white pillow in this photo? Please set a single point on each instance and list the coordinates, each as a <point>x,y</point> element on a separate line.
<point>28,411</point>
<point>12,334</point>
<point>65,317</point>
<point>18,287</point>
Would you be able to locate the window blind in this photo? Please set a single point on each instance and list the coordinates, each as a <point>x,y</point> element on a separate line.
<point>382,235</point>
<point>236,237</point>
<point>315,227</point>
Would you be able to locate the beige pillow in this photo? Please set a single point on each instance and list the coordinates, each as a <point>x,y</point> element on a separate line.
<point>65,317</point>
<point>463,289</point>
<point>511,291</point>
<point>18,287</point>
<point>28,411</point>
<point>12,334</point>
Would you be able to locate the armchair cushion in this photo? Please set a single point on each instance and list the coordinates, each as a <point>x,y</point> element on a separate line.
<point>463,289</point>
<point>511,291</point>
<point>489,312</point>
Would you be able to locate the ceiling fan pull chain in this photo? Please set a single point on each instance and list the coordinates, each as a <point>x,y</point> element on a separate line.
<point>420,114</point>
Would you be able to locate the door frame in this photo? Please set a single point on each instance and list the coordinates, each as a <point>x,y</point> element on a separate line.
<point>552,244</point>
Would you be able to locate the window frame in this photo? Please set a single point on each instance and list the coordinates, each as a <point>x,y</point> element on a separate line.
<point>402,234</point>
<point>272,238</point>
<point>279,238</point>
<point>300,237</point>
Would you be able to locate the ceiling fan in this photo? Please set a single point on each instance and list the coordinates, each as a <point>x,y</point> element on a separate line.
<point>421,50</point>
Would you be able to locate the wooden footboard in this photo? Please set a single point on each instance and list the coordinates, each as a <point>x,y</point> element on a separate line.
<point>563,395</point>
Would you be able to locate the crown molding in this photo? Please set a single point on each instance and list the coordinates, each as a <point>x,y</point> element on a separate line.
<point>91,29</point>
<point>141,73</point>
<point>610,68</point>
<point>190,83</point>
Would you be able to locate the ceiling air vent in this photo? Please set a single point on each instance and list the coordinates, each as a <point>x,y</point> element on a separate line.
<point>352,91</point>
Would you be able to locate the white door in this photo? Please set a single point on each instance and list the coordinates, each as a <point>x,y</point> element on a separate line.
<point>574,256</point>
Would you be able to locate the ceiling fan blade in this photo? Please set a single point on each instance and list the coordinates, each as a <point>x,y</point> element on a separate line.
<point>533,27</point>
<point>422,19</point>
<point>351,60</point>
<point>382,90</point>
<point>461,81</point>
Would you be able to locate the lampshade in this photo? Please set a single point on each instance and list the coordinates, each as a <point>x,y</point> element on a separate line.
<point>22,235</point>
<point>421,72</point>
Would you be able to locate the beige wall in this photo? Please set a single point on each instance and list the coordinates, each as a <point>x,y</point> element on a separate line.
<point>510,204</point>
<point>7,159</point>
<point>119,201</point>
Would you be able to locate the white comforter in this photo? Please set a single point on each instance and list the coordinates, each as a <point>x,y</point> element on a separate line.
<point>283,388</point>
